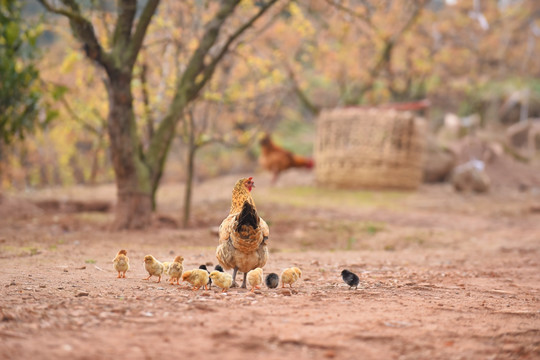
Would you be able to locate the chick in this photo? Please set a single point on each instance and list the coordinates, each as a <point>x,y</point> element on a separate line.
<point>290,276</point>
<point>272,280</point>
<point>255,278</point>
<point>350,279</point>
<point>121,263</point>
<point>196,277</point>
<point>154,267</point>
<point>166,265</point>
<point>175,269</point>
<point>203,267</point>
<point>221,279</point>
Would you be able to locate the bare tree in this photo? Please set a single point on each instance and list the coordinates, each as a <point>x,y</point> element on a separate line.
<point>138,171</point>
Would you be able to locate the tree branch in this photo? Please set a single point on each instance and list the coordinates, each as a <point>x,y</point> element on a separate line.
<point>140,31</point>
<point>146,103</point>
<point>83,31</point>
<point>385,55</point>
<point>209,70</point>
<point>124,22</point>
<point>302,96</point>
<point>189,83</point>
<point>366,19</point>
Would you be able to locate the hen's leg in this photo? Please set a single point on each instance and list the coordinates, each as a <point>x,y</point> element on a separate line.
<point>234,284</point>
<point>244,282</point>
<point>275,178</point>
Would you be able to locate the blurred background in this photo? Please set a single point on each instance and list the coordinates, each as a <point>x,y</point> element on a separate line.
<point>469,68</point>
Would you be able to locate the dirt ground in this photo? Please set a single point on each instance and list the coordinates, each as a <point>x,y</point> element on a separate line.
<point>443,276</point>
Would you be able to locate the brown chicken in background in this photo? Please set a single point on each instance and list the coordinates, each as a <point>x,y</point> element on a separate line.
<point>276,159</point>
<point>243,234</point>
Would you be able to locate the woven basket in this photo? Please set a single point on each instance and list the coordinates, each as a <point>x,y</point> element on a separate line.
<point>369,148</point>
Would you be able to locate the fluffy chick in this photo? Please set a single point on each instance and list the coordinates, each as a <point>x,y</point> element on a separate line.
<point>290,276</point>
<point>121,263</point>
<point>221,279</point>
<point>255,278</point>
<point>175,269</point>
<point>203,267</point>
<point>196,277</point>
<point>166,266</point>
<point>272,280</point>
<point>154,267</point>
<point>350,279</point>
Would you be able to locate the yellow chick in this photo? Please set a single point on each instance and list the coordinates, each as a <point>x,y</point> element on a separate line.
<point>290,276</point>
<point>154,267</point>
<point>166,265</point>
<point>196,277</point>
<point>221,279</point>
<point>121,263</point>
<point>175,269</point>
<point>255,278</point>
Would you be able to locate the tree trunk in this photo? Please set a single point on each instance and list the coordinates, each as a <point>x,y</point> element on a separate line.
<point>189,183</point>
<point>134,191</point>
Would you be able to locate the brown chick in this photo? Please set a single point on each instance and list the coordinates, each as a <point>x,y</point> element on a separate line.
<point>175,269</point>
<point>121,263</point>
<point>154,267</point>
<point>196,277</point>
<point>290,276</point>
<point>255,278</point>
<point>221,279</point>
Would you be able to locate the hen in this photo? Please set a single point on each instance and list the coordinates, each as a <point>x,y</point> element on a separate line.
<point>276,159</point>
<point>243,234</point>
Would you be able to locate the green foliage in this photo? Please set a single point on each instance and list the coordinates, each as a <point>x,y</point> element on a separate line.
<point>19,92</point>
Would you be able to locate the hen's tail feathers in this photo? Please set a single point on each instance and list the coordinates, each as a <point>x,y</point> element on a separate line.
<point>247,235</point>
<point>247,217</point>
<point>302,161</point>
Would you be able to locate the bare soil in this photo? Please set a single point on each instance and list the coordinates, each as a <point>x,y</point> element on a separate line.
<point>443,276</point>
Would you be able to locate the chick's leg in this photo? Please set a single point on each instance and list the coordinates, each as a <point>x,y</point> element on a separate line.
<point>119,275</point>
<point>234,284</point>
<point>149,276</point>
<point>159,279</point>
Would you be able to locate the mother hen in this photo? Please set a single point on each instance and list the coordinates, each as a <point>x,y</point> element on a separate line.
<point>243,234</point>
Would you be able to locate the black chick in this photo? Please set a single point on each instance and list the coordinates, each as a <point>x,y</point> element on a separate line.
<point>218,268</point>
<point>203,267</point>
<point>350,279</point>
<point>272,280</point>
